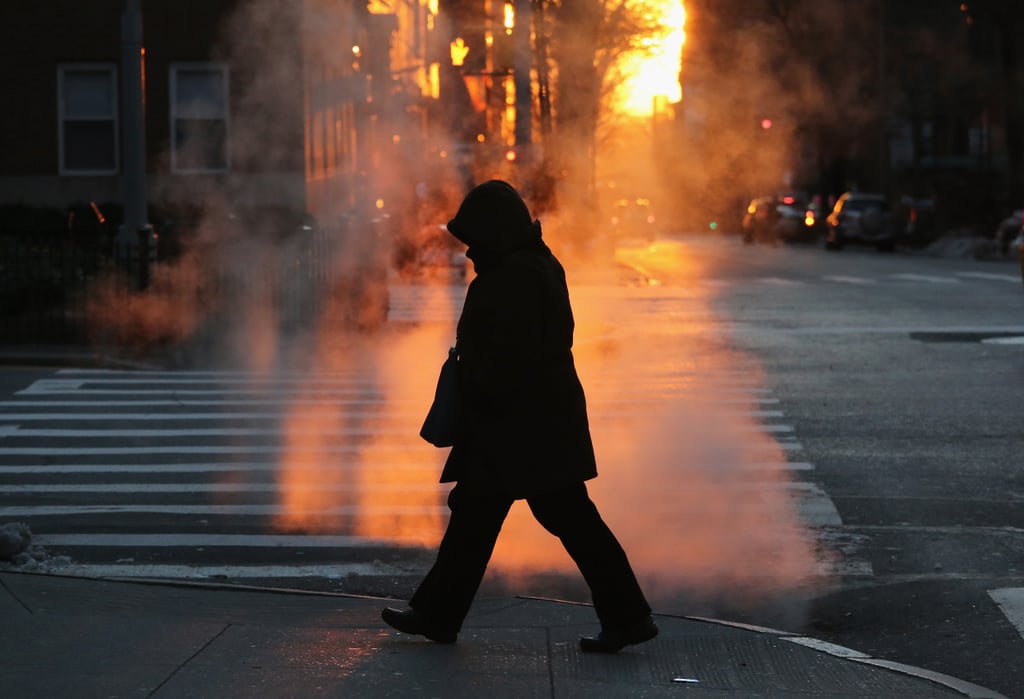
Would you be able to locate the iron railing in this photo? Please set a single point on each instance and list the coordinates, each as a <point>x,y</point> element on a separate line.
<point>58,291</point>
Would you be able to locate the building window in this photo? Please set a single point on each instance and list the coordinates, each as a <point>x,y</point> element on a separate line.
<point>199,118</point>
<point>87,119</point>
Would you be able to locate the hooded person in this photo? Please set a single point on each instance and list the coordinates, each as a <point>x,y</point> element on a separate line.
<point>525,433</point>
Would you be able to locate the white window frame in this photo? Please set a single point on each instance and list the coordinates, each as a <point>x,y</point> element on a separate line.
<point>62,117</point>
<point>226,85</point>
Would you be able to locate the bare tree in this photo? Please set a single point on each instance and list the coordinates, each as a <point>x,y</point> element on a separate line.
<point>587,39</point>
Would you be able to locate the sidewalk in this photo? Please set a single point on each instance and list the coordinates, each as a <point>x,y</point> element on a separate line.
<point>71,355</point>
<point>74,637</point>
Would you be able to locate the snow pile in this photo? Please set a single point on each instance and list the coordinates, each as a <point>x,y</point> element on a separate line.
<point>15,538</point>
<point>952,247</point>
<point>17,552</point>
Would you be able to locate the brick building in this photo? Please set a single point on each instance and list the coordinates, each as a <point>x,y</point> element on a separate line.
<point>268,102</point>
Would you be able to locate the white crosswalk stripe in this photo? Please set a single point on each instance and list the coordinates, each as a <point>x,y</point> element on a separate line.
<point>421,303</point>
<point>778,281</point>
<point>1012,278</point>
<point>928,278</point>
<point>1011,601</point>
<point>846,279</point>
<point>896,279</point>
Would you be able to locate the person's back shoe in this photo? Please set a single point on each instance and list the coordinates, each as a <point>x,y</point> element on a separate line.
<point>413,622</point>
<point>612,641</point>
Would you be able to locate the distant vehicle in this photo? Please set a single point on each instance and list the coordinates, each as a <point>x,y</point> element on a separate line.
<point>1020,253</point>
<point>1009,230</point>
<point>1019,244</point>
<point>918,215</point>
<point>786,217</point>
<point>862,218</point>
<point>633,218</point>
<point>760,220</point>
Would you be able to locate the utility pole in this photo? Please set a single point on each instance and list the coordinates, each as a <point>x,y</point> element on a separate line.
<point>883,154</point>
<point>133,238</point>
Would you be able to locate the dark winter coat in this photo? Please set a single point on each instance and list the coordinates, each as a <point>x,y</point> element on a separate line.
<point>526,426</point>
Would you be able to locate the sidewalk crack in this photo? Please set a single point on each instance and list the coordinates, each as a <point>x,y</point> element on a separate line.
<point>551,660</point>
<point>188,660</point>
<point>15,597</point>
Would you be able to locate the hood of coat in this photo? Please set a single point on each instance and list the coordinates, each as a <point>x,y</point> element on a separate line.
<point>493,220</point>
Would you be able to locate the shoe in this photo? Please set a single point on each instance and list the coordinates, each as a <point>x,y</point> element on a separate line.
<point>609,641</point>
<point>413,622</point>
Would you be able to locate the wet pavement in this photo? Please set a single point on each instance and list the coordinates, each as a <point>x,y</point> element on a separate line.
<point>78,637</point>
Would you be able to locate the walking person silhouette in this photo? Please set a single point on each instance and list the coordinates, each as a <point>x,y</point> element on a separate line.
<point>526,434</point>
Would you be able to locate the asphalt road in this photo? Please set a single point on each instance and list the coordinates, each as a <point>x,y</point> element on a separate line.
<point>912,418</point>
<point>880,393</point>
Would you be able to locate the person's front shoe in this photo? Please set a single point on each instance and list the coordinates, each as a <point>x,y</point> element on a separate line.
<point>614,640</point>
<point>413,622</point>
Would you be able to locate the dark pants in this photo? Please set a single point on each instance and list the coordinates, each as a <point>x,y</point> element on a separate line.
<point>447,592</point>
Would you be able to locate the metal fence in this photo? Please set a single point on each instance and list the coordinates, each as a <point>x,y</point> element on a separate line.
<point>64,292</point>
<point>44,285</point>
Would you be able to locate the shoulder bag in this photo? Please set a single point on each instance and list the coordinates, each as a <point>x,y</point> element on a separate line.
<point>443,420</point>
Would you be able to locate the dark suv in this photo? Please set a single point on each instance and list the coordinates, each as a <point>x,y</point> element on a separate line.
<point>863,218</point>
<point>786,217</point>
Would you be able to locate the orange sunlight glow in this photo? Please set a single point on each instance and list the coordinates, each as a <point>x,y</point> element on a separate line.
<point>675,413</point>
<point>693,485</point>
<point>335,476</point>
<point>654,70</point>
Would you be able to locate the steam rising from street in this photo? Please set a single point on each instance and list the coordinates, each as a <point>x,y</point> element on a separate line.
<point>692,486</point>
<point>689,481</point>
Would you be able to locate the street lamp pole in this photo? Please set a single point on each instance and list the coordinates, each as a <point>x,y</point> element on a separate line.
<point>882,114</point>
<point>521,64</point>
<point>135,231</point>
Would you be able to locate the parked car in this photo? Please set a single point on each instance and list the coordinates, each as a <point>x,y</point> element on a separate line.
<point>1018,243</point>
<point>1020,253</point>
<point>633,218</point>
<point>760,219</point>
<point>862,218</point>
<point>918,227</point>
<point>785,217</point>
<point>1009,230</point>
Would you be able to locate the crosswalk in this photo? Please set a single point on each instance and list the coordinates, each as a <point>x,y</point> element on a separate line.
<point>165,474</point>
<point>222,475</point>
<point>1010,601</point>
<point>887,279</point>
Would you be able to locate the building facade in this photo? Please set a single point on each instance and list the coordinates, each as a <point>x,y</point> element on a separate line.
<point>249,102</point>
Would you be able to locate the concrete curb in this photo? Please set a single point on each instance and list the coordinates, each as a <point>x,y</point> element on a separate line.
<point>968,689</point>
<point>71,356</point>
